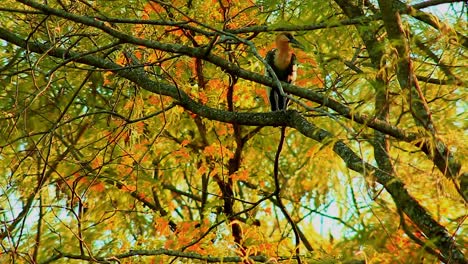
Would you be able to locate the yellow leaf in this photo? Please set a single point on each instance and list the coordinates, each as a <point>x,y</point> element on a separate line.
<point>307,185</point>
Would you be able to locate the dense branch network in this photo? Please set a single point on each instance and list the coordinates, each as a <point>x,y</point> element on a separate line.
<point>443,159</point>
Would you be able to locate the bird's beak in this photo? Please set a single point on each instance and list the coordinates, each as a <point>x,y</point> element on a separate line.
<point>296,44</point>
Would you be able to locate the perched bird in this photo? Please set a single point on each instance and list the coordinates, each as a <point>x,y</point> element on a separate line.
<point>284,63</point>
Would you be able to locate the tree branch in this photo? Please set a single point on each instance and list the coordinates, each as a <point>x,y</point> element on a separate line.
<point>290,118</point>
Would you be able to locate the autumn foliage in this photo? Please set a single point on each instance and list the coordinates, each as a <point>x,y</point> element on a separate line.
<point>140,132</point>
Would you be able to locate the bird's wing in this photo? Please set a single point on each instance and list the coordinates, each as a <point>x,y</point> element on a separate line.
<point>293,69</point>
<point>270,59</point>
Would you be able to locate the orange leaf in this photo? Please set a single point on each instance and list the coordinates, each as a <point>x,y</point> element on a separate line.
<point>153,7</point>
<point>182,153</point>
<point>262,92</point>
<point>202,170</point>
<point>307,185</point>
<point>98,187</point>
<point>140,126</point>
<point>121,60</point>
<point>162,226</point>
<point>185,142</point>
<point>153,99</point>
<point>203,98</point>
<point>210,150</point>
<point>129,188</point>
<point>240,176</point>
<point>138,54</point>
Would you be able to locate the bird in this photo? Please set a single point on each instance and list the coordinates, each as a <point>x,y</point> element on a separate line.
<point>283,61</point>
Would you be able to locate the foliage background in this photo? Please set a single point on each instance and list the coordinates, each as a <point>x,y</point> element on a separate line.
<point>140,132</point>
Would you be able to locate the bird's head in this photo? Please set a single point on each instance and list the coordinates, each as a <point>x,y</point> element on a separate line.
<point>283,39</point>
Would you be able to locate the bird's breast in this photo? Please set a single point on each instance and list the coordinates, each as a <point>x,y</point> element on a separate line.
<point>282,61</point>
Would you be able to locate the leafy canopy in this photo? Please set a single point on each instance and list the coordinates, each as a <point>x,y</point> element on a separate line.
<point>140,132</point>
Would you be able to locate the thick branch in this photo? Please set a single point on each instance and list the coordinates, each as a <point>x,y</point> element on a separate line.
<point>228,67</point>
<point>409,82</point>
<point>155,252</point>
<point>427,18</point>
